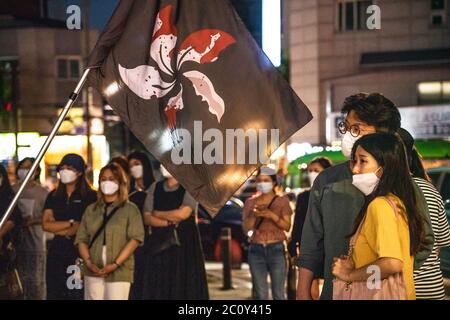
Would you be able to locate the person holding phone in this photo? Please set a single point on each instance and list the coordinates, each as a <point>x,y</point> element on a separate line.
<point>267,217</point>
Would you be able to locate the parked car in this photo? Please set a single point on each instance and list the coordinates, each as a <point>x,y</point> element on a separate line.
<point>441,179</point>
<point>210,228</point>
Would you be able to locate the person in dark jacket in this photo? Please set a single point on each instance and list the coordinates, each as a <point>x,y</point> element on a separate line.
<point>335,202</point>
<point>316,166</point>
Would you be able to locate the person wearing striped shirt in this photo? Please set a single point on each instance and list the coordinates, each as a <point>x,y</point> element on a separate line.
<point>428,279</point>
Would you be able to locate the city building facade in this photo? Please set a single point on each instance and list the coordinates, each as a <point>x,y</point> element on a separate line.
<point>400,48</point>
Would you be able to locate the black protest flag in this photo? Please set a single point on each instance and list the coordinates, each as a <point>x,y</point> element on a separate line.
<point>190,82</point>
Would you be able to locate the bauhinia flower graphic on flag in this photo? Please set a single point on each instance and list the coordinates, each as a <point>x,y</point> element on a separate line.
<point>190,82</point>
<point>203,46</point>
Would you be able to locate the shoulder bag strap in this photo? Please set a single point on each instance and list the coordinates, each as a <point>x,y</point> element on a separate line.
<point>258,224</point>
<point>103,226</point>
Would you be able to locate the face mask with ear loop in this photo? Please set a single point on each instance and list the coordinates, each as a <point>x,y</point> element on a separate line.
<point>347,144</point>
<point>109,187</point>
<point>137,171</point>
<point>264,187</point>
<point>22,173</point>
<point>366,182</point>
<point>67,176</point>
<point>312,177</point>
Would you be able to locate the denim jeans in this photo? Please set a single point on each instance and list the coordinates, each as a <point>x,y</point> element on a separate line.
<point>268,259</point>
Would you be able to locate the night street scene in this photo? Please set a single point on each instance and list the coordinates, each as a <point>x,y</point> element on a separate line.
<point>247,150</point>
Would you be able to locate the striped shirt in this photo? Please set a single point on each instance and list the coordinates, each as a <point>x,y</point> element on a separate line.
<point>428,279</point>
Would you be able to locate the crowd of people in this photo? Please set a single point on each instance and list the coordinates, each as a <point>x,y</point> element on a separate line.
<point>135,238</point>
<point>377,211</point>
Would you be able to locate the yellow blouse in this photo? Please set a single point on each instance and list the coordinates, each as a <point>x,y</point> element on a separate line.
<point>383,236</point>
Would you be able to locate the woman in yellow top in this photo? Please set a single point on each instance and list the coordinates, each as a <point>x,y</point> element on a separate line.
<point>387,241</point>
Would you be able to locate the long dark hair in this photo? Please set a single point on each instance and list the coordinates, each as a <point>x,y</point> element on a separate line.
<point>389,151</point>
<point>417,168</point>
<point>414,158</point>
<point>324,162</point>
<point>6,192</point>
<point>147,172</point>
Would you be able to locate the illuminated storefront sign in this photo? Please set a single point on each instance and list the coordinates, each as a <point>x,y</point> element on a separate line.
<point>29,144</point>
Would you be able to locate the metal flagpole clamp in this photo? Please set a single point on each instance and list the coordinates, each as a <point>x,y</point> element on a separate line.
<point>72,98</point>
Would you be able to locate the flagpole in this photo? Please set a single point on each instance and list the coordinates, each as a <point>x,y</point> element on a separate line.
<point>72,98</point>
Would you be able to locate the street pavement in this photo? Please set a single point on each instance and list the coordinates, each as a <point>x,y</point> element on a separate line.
<point>242,283</point>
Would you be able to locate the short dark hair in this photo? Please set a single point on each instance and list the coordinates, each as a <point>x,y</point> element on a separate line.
<point>375,110</point>
<point>324,162</point>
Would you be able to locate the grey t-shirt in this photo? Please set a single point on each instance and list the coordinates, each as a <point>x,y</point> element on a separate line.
<point>31,205</point>
<point>188,200</point>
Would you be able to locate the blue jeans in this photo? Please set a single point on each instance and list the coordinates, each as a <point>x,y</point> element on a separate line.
<point>267,259</point>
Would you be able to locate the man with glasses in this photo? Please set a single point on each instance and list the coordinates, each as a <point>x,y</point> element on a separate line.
<point>334,202</point>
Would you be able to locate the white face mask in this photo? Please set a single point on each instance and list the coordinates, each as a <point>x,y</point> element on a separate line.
<point>347,144</point>
<point>366,182</point>
<point>165,173</point>
<point>137,171</point>
<point>109,187</point>
<point>67,176</point>
<point>264,187</point>
<point>22,173</point>
<point>312,177</point>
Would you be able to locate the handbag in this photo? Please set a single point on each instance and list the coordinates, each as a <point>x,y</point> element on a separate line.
<point>10,284</point>
<point>391,288</point>
<point>161,239</point>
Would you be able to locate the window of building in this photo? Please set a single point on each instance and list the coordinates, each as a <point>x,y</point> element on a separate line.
<point>352,14</point>
<point>436,92</point>
<point>438,13</point>
<point>68,68</point>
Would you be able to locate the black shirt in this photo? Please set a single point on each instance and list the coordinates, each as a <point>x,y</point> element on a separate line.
<point>138,198</point>
<point>67,208</point>
<point>299,220</point>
